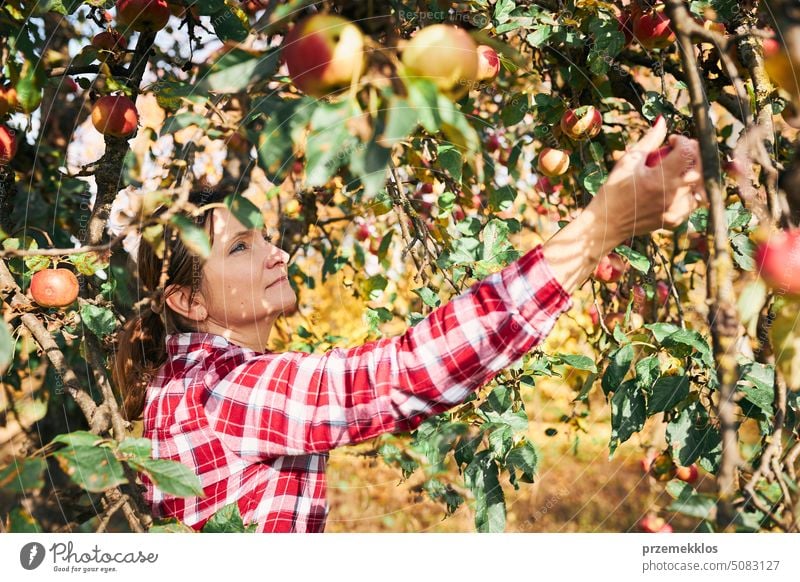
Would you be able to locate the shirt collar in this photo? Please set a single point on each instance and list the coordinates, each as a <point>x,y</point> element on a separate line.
<point>184,343</point>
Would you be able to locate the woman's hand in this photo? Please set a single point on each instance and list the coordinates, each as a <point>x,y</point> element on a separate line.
<point>638,198</point>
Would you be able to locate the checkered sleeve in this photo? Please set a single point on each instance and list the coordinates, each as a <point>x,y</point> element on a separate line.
<point>299,403</point>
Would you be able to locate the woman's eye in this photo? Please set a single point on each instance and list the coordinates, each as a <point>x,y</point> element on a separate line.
<point>239,245</point>
<point>267,236</point>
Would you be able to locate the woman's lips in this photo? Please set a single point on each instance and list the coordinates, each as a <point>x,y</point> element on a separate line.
<point>283,278</point>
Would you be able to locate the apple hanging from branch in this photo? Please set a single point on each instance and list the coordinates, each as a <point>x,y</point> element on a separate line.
<point>143,15</point>
<point>115,115</point>
<point>553,162</point>
<point>653,29</point>
<point>488,63</point>
<point>446,55</point>
<point>582,123</point>
<point>324,53</point>
<point>54,287</point>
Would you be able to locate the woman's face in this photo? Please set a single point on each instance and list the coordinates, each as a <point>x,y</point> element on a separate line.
<point>245,286</point>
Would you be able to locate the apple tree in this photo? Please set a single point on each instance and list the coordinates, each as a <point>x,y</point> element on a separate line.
<point>409,142</point>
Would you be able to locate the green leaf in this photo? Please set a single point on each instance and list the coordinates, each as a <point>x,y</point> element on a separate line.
<point>681,343</point>
<point>451,160</point>
<point>171,477</point>
<point>230,23</point>
<point>95,469</point>
<point>743,251</point>
<point>78,438</point>
<point>100,320</point>
<point>637,260</point>
<point>194,237</point>
<point>578,362</point>
<point>501,439</point>
<point>627,413</point>
<point>226,520</point>
<point>481,477</point>
<point>502,198</point>
<point>525,458</point>
<point>515,109</point>
<point>237,69</point>
<point>370,162</point>
<point>21,521</point>
<point>375,317</point>
<point>667,392</point>
<point>245,211</point>
<point>688,502</point>
<point>424,97</point>
<point>23,475</point>
<point>138,448</point>
<point>749,304</point>
<point>662,330</point>
<point>287,120</point>
<point>207,7</point>
<point>691,435</point>
<point>757,385</point>
<point>182,121</point>
<point>402,119</point>
<point>329,144</point>
<point>428,296</point>
<point>618,366</point>
<point>6,346</point>
<point>593,176</point>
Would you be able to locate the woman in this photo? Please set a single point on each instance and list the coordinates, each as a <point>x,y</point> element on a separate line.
<point>257,426</point>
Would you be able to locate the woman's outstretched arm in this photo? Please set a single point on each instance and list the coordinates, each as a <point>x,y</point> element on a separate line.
<point>298,403</point>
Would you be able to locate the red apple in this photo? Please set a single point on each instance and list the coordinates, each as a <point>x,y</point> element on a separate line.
<point>663,467</point>
<point>610,269</point>
<point>778,261</point>
<point>362,232</point>
<point>446,55</point>
<point>654,524</point>
<point>297,168</point>
<point>8,144</point>
<point>54,287</point>
<point>581,123</point>
<point>653,158</point>
<point>625,24</point>
<point>143,15</point>
<point>687,474</point>
<point>553,162</point>
<point>426,188</point>
<point>115,115</point>
<point>8,99</point>
<point>493,143</point>
<point>109,40</point>
<point>613,319</point>
<point>488,63</point>
<point>458,214</point>
<point>324,53</point>
<point>652,29</point>
<point>662,292</point>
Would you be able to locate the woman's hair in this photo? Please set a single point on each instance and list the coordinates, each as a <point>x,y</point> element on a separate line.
<point>141,347</point>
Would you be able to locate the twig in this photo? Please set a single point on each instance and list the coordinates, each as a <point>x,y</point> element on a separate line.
<point>101,527</point>
<point>723,319</point>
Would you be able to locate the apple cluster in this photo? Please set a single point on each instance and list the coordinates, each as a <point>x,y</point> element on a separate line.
<point>325,53</point>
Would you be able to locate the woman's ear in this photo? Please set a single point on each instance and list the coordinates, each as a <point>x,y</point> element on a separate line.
<point>177,297</point>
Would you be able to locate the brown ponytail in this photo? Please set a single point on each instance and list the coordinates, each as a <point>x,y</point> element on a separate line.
<point>141,343</point>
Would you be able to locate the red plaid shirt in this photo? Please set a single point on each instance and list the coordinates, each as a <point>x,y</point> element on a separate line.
<point>256,427</point>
